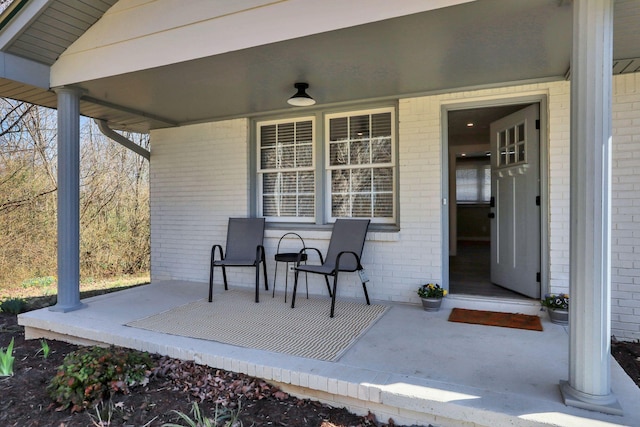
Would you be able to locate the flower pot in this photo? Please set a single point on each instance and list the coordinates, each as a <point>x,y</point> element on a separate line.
<point>558,316</point>
<point>431,304</point>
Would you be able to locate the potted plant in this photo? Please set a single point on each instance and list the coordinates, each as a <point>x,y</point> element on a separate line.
<point>558,307</point>
<point>431,295</point>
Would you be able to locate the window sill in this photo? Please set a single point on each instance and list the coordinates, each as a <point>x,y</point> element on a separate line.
<point>377,232</point>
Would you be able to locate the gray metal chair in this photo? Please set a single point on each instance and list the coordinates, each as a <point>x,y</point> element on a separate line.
<point>244,248</point>
<point>345,250</point>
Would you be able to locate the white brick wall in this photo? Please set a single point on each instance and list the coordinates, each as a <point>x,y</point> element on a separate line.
<point>200,177</point>
<point>625,208</point>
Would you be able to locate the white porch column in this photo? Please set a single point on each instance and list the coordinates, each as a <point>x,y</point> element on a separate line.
<point>590,274</point>
<point>68,200</point>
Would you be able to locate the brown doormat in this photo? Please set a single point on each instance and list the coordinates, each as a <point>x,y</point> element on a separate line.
<point>494,318</point>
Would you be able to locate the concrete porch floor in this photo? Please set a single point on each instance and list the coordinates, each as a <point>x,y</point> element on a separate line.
<point>412,366</point>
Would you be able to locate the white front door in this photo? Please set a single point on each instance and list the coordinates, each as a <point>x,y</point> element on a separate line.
<point>515,210</point>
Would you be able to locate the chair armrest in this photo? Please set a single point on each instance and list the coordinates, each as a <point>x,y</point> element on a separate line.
<point>358,266</point>
<point>213,252</point>
<point>304,251</point>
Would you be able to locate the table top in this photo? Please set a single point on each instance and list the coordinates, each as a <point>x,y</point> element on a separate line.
<point>290,257</point>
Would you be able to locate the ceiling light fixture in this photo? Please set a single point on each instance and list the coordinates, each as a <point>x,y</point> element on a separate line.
<point>470,124</point>
<point>301,98</point>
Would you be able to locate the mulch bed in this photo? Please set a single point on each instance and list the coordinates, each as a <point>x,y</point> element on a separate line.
<point>173,387</point>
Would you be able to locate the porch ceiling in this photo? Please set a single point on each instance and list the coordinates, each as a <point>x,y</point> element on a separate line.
<point>484,42</point>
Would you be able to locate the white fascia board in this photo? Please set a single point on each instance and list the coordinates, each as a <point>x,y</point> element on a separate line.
<point>23,19</point>
<point>135,35</point>
<point>24,71</point>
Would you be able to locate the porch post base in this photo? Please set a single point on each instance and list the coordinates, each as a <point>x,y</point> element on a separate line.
<point>607,404</point>
<point>65,308</point>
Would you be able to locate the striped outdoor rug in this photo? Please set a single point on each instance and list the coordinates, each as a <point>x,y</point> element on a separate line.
<point>234,318</point>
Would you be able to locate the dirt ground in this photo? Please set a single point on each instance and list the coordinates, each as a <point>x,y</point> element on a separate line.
<point>176,384</point>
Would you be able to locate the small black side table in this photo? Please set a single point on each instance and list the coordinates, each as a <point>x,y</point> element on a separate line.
<point>289,257</point>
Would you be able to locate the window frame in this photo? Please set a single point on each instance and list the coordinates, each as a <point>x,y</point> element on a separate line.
<point>328,168</point>
<point>320,159</point>
<point>260,172</point>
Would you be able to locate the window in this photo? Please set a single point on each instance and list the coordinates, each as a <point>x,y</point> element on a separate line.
<point>511,146</point>
<point>473,180</point>
<point>286,176</point>
<point>360,165</point>
<point>355,176</point>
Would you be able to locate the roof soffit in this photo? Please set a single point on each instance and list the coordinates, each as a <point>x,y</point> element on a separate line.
<point>135,35</point>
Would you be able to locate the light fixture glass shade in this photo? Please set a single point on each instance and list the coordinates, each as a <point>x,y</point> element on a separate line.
<point>301,98</point>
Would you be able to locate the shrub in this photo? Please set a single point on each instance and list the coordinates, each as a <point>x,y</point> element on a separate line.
<point>13,305</point>
<point>91,374</point>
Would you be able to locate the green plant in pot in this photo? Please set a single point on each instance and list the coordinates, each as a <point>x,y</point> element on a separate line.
<point>431,295</point>
<point>557,306</point>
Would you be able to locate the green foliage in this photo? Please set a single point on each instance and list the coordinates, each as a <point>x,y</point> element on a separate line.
<point>91,374</point>
<point>6,360</point>
<point>431,290</point>
<point>557,301</point>
<point>44,349</point>
<point>222,417</point>
<point>13,306</point>
<point>40,282</point>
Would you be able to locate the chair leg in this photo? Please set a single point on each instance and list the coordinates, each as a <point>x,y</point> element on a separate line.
<point>295,288</point>
<point>286,281</point>
<point>326,279</point>
<point>258,282</point>
<point>335,290</point>
<point>275,275</point>
<point>264,273</point>
<point>224,276</point>
<point>211,282</point>
<point>306,279</point>
<point>366,294</point>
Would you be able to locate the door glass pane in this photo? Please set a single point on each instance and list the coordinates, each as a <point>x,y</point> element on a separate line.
<point>521,152</point>
<point>521,132</point>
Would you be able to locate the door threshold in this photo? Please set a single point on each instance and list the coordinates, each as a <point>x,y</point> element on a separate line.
<point>507,305</point>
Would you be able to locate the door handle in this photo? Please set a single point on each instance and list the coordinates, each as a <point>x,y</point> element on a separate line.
<point>491,215</point>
